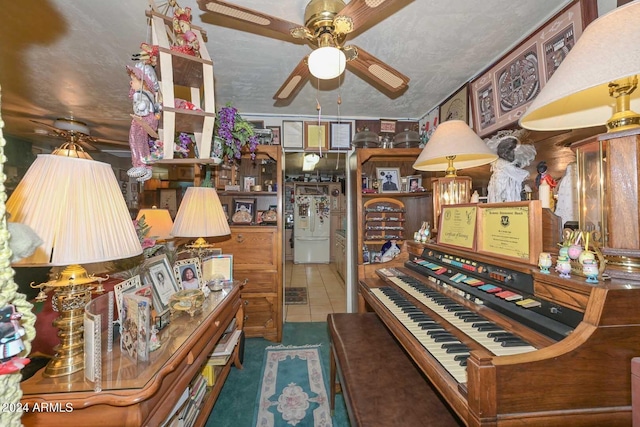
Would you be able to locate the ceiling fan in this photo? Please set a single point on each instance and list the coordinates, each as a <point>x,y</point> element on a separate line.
<point>327,24</point>
<point>77,135</point>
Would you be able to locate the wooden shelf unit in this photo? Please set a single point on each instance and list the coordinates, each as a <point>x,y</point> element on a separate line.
<point>258,249</point>
<point>177,70</point>
<point>417,206</point>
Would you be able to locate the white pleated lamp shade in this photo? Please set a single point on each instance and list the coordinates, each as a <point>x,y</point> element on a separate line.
<point>454,138</point>
<point>76,207</point>
<point>200,215</point>
<point>159,220</point>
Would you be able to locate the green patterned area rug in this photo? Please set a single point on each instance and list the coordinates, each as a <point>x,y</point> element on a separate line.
<point>293,390</point>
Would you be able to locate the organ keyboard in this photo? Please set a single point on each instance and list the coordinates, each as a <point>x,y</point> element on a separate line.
<point>493,336</point>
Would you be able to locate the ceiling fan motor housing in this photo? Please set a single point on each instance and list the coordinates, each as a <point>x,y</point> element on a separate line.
<point>319,16</point>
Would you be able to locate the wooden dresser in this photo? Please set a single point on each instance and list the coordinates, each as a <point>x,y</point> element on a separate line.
<point>142,394</point>
<point>257,257</point>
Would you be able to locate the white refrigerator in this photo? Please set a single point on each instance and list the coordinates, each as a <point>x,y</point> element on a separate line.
<point>311,229</point>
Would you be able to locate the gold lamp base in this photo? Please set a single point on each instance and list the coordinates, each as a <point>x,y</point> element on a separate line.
<point>72,291</point>
<point>623,118</point>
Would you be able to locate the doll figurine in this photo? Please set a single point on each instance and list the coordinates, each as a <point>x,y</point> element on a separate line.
<point>144,124</point>
<point>543,176</point>
<point>186,40</point>
<point>508,175</point>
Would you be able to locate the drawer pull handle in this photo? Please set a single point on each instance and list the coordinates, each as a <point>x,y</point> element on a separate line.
<point>239,238</point>
<point>246,302</point>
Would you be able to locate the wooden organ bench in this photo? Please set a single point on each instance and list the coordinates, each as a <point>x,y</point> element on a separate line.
<point>380,384</point>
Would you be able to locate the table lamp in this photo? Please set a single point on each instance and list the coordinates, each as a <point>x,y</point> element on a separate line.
<point>596,85</point>
<point>159,221</point>
<point>76,207</point>
<point>453,140</point>
<point>200,215</point>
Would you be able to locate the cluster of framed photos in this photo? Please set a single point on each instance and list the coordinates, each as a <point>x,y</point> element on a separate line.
<point>160,280</point>
<point>244,212</point>
<point>316,136</point>
<point>389,180</point>
<point>501,94</point>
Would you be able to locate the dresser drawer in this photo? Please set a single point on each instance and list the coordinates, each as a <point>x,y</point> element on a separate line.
<point>258,281</point>
<point>253,247</point>
<point>259,315</point>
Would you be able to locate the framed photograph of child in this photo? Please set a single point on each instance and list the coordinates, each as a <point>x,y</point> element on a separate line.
<point>414,183</point>
<point>389,179</point>
<point>188,274</point>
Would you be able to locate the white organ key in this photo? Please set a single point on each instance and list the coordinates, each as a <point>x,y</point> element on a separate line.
<point>479,336</point>
<point>452,366</point>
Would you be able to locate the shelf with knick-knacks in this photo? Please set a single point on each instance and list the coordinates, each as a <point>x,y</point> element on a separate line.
<point>384,219</point>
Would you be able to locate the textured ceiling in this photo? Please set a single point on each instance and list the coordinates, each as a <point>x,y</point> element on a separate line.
<point>66,58</point>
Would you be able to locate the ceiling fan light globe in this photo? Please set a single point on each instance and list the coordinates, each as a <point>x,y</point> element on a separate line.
<point>327,63</point>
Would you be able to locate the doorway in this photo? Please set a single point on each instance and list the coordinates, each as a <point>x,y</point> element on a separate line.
<point>313,290</point>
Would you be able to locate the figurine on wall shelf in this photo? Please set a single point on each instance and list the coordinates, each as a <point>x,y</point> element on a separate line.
<point>505,184</point>
<point>143,90</point>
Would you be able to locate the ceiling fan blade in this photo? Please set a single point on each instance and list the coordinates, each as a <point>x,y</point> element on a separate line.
<point>110,142</point>
<point>293,84</point>
<point>361,11</point>
<point>86,145</point>
<point>48,126</point>
<point>372,68</point>
<point>248,16</point>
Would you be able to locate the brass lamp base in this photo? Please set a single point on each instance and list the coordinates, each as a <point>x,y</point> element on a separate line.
<point>72,292</point>
<point>623,118</point>
<point>69,357</point>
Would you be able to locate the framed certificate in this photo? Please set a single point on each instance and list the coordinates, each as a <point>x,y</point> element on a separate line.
<point>340,136</point>
<point>511,231</point>
<point>458,226</point>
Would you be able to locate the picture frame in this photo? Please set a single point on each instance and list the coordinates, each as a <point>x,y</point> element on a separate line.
<point>496,101</point>
<point>168,199</point>
<point>256,124</point>
<point>159,275</point>
<point>429,123</point>
<point>390,180</point>
<point>387,126</point>
<point>276,132</point>
<point>244,211</point>
<point>248,182</point>
<point>340,136</point>
<point>121,288</point>
<point>259,217</point>
<point>458,226</point>
<point>217,267</point>
<point>414,183</point>
<point>292,134</point>
<point>225,209</point>
<point>316,136</point>
<point>456,107</point>
<point>188,273</point>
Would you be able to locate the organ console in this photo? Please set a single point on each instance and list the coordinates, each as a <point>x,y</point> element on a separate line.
<point>506,345</point>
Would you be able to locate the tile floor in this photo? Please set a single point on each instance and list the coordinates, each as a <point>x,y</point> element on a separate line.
<point>325,292</point>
